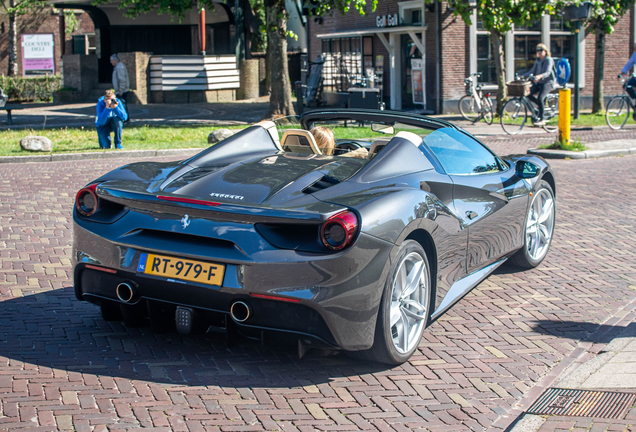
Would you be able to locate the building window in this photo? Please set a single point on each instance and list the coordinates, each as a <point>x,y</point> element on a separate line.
<point>485,57</point>
<point>411,12</point>
<point>343,60</point>
<point>526,39</point>
<point>562,42</point>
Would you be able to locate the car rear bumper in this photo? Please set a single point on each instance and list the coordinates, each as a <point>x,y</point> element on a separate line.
<point>331,298</point>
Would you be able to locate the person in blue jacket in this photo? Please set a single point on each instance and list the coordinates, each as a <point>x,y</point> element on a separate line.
<point>111,116</point>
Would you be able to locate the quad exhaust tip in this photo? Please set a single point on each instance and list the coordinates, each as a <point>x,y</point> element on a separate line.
<point>240,311</point>
<point>125,292</point>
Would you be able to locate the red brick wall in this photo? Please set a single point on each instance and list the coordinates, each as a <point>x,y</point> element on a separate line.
<point>618,49</point>
<point>454,54</point>
<point>44,21</point>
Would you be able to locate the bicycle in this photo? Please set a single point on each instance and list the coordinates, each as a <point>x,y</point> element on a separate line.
<point>515,112</point>
<point>475,104</point>
<point>617,110</point>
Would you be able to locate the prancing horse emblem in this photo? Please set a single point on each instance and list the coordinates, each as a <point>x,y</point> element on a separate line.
<point>185,221</point>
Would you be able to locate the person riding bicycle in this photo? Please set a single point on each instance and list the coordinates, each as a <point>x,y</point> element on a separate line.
<point>632,81</point>
<point>542,70</point>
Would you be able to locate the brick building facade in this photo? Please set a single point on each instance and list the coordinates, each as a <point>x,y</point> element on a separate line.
<point>46,21</point>
<point>452,50</point>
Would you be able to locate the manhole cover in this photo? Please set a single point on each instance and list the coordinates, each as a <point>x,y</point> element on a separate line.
<point>583,403</point>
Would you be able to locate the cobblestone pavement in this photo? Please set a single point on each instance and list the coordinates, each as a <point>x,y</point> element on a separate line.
<point>63,368</point>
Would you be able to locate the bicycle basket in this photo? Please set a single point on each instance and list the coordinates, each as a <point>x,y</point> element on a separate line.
<point>518,88</point>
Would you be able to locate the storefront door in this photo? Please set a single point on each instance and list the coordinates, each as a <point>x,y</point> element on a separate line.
<point>412,70</point>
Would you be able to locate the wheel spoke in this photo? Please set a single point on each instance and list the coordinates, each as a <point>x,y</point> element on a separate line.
<point>395,313</point>
<point>546,212</point>
<point>413,281</point>
<point>415,305</point>
<point>402,282</point>
<point>405,331</point>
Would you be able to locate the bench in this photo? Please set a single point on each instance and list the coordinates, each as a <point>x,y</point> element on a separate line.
<point>18,106</point>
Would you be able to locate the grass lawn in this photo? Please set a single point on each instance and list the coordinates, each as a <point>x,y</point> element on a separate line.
<point>71,140</point>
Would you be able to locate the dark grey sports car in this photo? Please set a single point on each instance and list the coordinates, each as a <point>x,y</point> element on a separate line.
<point>357,244</point>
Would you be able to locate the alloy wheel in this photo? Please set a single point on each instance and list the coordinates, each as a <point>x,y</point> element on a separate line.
<point>409,302</point>
<point>540,224</point>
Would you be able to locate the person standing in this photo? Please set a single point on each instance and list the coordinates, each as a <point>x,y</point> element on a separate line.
<point>110,118</point>
<point>543,79</point>
<point>121,83</point>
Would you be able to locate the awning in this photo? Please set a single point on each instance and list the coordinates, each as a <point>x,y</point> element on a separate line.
<point>373,30</point>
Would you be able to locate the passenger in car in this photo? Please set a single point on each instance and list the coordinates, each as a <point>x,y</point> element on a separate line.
<point>324,139</point>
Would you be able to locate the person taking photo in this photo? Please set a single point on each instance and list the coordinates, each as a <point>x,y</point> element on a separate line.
<point>111,116</point>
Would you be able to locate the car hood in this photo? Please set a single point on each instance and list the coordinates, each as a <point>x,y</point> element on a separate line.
<point>265,179</point>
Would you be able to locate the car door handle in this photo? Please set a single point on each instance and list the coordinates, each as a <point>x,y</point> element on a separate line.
<point>471,215</point>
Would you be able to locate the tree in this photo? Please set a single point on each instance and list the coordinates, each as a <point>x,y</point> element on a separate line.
<point>605,13</point>
<point>14,9</point>
<point>280,97</point>
<point>498,17</point>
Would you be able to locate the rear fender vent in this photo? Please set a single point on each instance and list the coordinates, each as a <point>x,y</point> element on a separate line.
<point>323,183</point>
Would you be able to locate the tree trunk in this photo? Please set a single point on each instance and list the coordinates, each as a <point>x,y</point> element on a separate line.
<point>280,102</point>
<point>268,66</point>
<point>13,42</point>
<point>599,63</point>
<point>500,68</point>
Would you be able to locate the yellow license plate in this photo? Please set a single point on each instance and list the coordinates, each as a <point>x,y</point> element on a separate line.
<point>182,269</point>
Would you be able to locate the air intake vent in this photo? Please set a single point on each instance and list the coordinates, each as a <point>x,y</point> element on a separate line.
<point>323,183</point>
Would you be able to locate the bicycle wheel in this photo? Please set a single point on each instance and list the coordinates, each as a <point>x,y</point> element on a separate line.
<point>468,108</point>
<point>551,113</point>
<point>487,110</point>
<point>513,116</point>
<point>617,112</point>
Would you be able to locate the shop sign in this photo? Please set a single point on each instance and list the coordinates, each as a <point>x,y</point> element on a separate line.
<point>390,20</point>
<point>38,54</point>
<point>417,80</point>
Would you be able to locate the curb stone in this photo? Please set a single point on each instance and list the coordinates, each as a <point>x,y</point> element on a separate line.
<point>56,157</point>
<point>587,154</point>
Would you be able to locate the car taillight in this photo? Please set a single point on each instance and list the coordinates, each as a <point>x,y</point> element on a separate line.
<point>86,201</point>
<point>339,230</point>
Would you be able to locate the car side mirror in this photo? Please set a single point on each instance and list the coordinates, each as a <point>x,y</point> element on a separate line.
<point>382,128</point>
<point>526,169</point>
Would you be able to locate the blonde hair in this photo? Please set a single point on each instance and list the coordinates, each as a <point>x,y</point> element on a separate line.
<point>543,47</point>
<point>109,93</point>
<point>324,139</point>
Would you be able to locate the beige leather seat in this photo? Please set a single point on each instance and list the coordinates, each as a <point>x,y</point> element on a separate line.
<point>377,146</point>
<point>299,141</point>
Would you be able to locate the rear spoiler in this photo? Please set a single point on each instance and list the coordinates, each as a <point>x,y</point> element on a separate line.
<point>315,213</point>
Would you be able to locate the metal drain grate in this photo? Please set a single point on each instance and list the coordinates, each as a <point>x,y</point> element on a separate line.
<point>583,403</point>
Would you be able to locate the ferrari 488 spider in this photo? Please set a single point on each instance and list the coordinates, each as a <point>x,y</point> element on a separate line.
<point>358,245</point>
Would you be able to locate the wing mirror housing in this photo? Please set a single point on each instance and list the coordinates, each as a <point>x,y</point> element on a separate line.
<point>526,169</point>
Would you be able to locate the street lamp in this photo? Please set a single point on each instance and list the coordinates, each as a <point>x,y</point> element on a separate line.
<point>576,14</point>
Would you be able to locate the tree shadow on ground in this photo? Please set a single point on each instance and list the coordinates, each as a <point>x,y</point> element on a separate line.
<point>53,329</point>
<point>580,331</point>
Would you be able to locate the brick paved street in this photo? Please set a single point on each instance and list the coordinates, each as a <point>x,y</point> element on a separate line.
<point>63,368</point>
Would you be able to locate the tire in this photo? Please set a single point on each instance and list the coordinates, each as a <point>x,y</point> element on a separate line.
<point>513,116</point>
<point>468,108</point>
<point>539,228</point>
<point>488,111</point>
<point>617,112</point>
<point>552,108</point>
<point>391,345</point>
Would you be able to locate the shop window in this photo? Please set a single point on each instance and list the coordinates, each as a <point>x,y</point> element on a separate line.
<point>343,60</point>
<point>524,52</point>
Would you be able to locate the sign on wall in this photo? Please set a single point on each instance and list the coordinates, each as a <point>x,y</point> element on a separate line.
<point>417,80</point>
<point>38,54</point>
<point>390,20</point>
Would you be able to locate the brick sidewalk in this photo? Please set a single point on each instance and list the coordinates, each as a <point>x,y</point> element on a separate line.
<point>62,367</point>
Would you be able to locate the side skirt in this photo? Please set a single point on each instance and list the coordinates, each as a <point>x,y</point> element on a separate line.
<point>463,287</point>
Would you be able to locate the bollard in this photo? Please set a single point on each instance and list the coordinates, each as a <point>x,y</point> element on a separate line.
<point>564,116</point>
